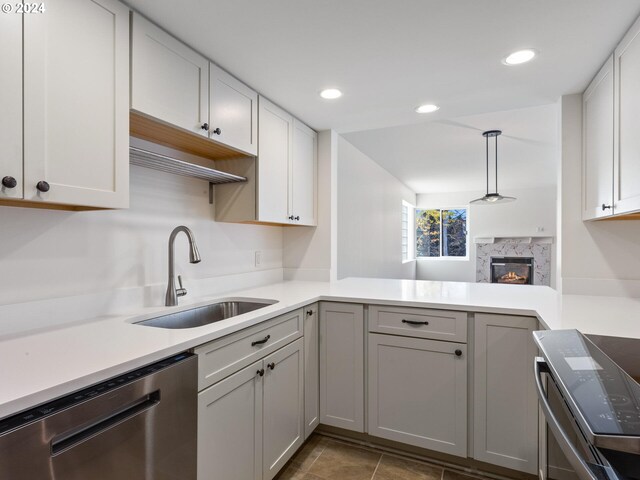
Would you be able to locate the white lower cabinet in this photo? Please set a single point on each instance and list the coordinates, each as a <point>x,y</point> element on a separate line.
<point>283,407</point>
<point>252,422</point>
<point>342,365</point>
<point>418,392</point>
<point>311,370</point>
<point>505,405</point>
<point>230,427</point>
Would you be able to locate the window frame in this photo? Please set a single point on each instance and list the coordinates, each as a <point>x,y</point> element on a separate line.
<point>411,232</point>
<point>442,258</point>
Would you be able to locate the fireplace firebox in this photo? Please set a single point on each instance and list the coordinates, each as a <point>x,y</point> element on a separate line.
<point>512,270</point>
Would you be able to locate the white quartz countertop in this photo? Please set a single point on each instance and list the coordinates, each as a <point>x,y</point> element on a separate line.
<point>40,366</point>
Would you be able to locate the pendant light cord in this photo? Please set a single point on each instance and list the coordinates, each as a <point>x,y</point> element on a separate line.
<point>487,157</point>
<point>496,164</point>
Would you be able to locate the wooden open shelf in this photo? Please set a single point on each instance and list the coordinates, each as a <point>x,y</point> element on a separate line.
<point>156,131</point>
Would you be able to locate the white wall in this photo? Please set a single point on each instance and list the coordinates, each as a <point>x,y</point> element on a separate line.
<point>369,217</point>
<point>49,253</point>
<point>598,257</point>
<point>534,208</point>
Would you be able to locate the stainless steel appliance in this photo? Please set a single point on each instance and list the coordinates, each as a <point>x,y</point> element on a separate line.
<point>137,426</point>
<point>591,405</point>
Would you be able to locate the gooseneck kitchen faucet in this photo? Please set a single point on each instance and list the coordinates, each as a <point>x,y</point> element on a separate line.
<point>171,298</point>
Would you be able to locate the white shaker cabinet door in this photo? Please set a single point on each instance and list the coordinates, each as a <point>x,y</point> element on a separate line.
<point>627,123</point>
<point>342,365</point>
<point>506,405</point>
<point>233,111</point>
<point>303,173</point>
<point>597,150</point>
<point>418,392</point>
<point>311,370</point>
<point>11,101</point>
<point>230,427</point>
<point>274,152</point>
<point>76,104</point>
<point>283,407</point>
<point>169,81</point>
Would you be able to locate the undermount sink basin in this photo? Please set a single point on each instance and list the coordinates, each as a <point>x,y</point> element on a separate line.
<point>207,314</point>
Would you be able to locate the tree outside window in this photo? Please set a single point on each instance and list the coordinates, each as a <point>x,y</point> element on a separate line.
<point>441,232</point>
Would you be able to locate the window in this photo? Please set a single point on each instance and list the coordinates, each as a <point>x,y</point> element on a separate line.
<point>407,228</point>
<point>441,232</point>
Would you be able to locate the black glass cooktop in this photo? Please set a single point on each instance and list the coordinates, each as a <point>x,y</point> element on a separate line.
<point>606,397</point>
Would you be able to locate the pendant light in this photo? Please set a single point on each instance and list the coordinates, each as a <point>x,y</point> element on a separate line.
<point>495,197</point>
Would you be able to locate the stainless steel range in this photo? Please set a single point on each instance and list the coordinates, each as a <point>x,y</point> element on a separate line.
<point>595,418</point>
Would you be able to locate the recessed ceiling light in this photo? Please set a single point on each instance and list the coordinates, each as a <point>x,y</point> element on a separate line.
<point>521,56</point>
<point>331,93</point>
<point>427,108</point>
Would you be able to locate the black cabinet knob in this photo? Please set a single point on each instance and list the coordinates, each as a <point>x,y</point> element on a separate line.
<point>309,313</point>
<point>9,182</point>
<point>297,217</point>
<point>42,186</point>
<point>290,217</point>
<point>271,366</point>
<point>217,131</point>
<point>260,372</point>
<point>458,353</point>
<point>605,207</point>
<point>205,126</point>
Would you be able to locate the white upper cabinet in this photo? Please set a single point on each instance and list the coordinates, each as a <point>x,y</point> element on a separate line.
<point>302,177</point>
<point>597,150</point>
<point>287,165</point>
<point>233,111</point>
<point>76,103</point>
<point>274,154</point>
<point>627,123</point>
<point>169,81</point>
<point>11,101</point>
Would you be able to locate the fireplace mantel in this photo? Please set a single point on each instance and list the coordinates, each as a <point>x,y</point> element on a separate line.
<point>513,239</point>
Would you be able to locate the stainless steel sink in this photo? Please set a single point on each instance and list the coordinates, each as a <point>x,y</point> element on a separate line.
<point>207,314</point>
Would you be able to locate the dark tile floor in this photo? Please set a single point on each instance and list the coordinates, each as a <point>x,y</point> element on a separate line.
<point>323,458</point>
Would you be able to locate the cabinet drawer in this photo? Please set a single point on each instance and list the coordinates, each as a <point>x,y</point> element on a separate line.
<point>222,357</point>
<point>419,322</point>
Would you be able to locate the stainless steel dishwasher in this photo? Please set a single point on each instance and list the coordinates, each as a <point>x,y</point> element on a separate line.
<point>138,426</point>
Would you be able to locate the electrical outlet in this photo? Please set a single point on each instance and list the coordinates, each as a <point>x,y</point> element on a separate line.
<point>258,258</point>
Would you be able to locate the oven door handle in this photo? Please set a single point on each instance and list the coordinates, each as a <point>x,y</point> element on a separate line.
<point>573,456</point>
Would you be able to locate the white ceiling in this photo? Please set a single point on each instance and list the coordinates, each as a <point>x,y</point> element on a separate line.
<point>449,155</point>
<point>389,56</point>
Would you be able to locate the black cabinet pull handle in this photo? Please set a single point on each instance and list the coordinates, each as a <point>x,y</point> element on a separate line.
<point>605,207</point>
<point>42,186</point>
<point>9,182</point>
<point>205,126</point>
<point>260,372</point>
<point>217,131</point>
<point>458,353</point>
<point>261,342</point>
<point>414,322</point>
<point>271,365</point>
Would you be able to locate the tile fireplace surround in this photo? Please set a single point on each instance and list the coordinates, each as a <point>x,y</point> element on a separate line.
<point>514,247</point>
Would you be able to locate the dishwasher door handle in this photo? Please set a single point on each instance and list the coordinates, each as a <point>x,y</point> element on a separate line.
<point>71,438</point>
<point>573,456</point>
